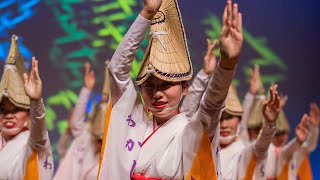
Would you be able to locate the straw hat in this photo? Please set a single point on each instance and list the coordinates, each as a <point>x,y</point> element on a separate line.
<point>98,116</point>
<point>255,118</point>
<point>282,123</point>
<point>167,56</point>
<point>233,105</point>
<point>12,85</point>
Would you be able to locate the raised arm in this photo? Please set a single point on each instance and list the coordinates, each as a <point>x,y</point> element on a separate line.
<point>312,140</point>
<point>301,132</point>
<point>121,62</point>
<point>33,87</point>
<point>77,122</point>
<point>191,101</point>
<point>231,39</point>
<point>270,111</point>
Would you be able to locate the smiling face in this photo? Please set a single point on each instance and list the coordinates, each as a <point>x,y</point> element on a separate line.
<point>228,128</point>
<point>12,118</point>
<point>162,98</point>
<point>280,139</point>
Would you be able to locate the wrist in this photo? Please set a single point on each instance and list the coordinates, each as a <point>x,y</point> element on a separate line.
<point>147,13</point>
<point>228,64</point>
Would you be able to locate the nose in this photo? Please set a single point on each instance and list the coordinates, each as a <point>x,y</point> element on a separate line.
<point>223,123</point>
<point>8,116</point>
<point>158,94</point>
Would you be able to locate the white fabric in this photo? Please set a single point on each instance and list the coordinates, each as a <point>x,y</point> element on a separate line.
<point>81,160</point>
<point>15,153</point>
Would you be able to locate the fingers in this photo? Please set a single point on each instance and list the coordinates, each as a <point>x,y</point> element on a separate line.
<point>229,12</point>
<point>36,70</point>
<point>25,78</point>
<point>235,15</point>
<point>239,24</point>
<point>87,68</point>
<point>305,122</point>
<point>277,101</point>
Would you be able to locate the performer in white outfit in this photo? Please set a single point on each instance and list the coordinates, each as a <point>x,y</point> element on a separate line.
<point>237,162</point>
<point>82,158</point>
<point>148,138</point>
<point>25,153</point>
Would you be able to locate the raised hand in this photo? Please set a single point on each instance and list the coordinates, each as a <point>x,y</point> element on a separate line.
<point>150,8</point>
<point>314,114</point>
<point>254,80</point>
<point>89,78</point>
<point>271,108</point>
<point>283,100</point>
<point>209,60</point>
<point>32,83</point>
<point>302,129</point>
<point>231,37</point>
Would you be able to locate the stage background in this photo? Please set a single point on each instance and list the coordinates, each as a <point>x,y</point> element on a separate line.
<point>281,36</point>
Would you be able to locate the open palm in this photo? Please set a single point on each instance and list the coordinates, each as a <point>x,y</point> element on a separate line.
<point>271,108</point>
<point>32,83</point>
<point>231,37</point>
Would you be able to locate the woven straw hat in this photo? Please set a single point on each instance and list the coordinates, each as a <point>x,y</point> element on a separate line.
<point>98,116</point>
<point>282,123</point>
<point>255,119</point>
<point>167,56</point>
<point>233,105</point>
<point>12,85</point>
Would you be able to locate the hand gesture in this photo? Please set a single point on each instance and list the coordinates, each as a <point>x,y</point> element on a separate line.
<point>150,8</point>
<point>302,129</point>
<point>271,108</point>
<point>89,78</point>
<point>254,80</point>
<point>33,84</point>
<point>283,100</point>
<point>209,60</point>
<point>231,37</point>
<point>314,114</point>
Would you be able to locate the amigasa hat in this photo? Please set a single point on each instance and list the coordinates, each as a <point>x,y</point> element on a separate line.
<point>12,85</point>
<point>167,55</point>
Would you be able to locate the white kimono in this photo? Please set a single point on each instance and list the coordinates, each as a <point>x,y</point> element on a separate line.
<point>15,153</point>
<point>81,161</point>
<point>169,152</point>
<point>291,155</point>
<point>235,158</point>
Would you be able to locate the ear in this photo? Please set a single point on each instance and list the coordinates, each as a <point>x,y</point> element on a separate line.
<point>185,86</point>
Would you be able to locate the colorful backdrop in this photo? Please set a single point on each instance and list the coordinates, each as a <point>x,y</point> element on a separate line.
<point>281,36</point>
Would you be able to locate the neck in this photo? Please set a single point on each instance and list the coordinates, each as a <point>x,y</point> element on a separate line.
<point>161,120</point>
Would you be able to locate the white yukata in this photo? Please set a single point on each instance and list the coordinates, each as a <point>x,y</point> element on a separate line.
<point>286,161</point>
<point>235,158</point>
<point>81,162</point>
<point>169,152</point>
<point>14,154</point>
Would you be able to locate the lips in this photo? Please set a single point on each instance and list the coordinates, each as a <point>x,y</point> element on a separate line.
<point>159,104</point>
<point>224,134</point>
<point>9,124</point>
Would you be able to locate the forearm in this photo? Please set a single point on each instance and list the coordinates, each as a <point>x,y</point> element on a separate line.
<point>288,151</point>
<point>213,100</point>
<point>191,102</point>
<point>38,132</point>
<point>312,141</point>
<point>261,145</point>
<point>121,62</point>
<point>77,123</point>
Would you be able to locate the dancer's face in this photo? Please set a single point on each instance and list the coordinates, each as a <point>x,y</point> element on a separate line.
<point>280,139</point>
<point>12,118</point>
<point>228,128</point>
<point>162,98</point>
